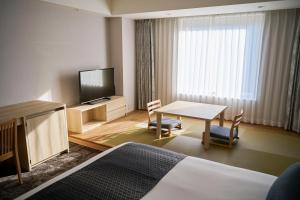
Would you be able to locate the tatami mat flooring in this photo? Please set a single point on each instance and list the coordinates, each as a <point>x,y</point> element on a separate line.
<point>261,148</point>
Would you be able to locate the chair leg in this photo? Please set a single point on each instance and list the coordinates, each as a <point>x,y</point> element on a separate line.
<point>18,167</point>
<point>202,142</point>
<point>230,142</point>
<point>169,131</point>
<point>179,126</point>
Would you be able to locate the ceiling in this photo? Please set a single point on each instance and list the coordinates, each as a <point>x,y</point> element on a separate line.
<point>143,9</point>
<point>98,6</point>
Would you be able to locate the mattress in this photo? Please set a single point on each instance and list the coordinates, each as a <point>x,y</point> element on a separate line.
<point>189,178</point>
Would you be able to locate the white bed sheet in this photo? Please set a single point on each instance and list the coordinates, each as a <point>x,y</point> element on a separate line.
<point>194,178</point>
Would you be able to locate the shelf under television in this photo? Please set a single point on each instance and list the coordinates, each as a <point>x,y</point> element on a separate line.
<point>91,125</point>
<point>82,118</point>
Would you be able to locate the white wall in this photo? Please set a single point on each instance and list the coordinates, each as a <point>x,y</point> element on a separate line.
<point>42,47</point>
<point>116,52</point>
<point>98,6</point>
<point>129,83</point>
<point>122,37</point>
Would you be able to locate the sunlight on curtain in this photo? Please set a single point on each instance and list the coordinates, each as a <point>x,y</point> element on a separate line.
<point>234,60</point>
<point>219,56</point>
<point>166,36</point>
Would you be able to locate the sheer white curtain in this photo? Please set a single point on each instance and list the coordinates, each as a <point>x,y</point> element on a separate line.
<point>219,60</point>
<point>238,60</point>
<point>166,37</point>
<point>219,56</point>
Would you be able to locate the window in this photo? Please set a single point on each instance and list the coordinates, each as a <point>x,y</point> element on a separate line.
<point>219,55</point>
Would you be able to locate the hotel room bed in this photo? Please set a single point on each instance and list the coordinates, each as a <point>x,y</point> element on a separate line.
<point>136,171</point>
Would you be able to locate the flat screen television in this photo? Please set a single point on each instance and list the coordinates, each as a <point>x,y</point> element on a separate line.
<point>95,85</point>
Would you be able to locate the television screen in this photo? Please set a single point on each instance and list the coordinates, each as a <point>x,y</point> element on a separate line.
<point>96,84</point>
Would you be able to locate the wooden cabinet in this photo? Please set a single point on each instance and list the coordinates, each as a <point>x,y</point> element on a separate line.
<point>46,135</point>
<point>83,118</point>
<point>42,130</point>
<point>115,104</point>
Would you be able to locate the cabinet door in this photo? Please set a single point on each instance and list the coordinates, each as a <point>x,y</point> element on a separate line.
<point>115,114</point>
<point>46,135</point>
<point>115,104</point>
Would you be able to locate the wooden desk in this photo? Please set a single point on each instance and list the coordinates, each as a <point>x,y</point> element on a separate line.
<point>206,112</point>
<point>42,130</point>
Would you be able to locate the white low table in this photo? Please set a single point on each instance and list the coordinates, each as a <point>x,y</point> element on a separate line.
<point>206,112</point>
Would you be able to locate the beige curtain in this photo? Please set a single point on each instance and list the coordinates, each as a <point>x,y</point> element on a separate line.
<point>269,108</point>
<point>145,72</point>
<point>166,59</point>
<point>293,103</point>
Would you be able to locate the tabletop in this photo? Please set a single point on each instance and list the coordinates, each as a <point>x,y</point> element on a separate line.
<point>192,109</point>
<point>26,109</point>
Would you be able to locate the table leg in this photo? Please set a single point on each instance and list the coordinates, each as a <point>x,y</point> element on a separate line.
<point>158,128</point>
<point>221,121</point>
<point>207,134</point>
<point>179,118</point>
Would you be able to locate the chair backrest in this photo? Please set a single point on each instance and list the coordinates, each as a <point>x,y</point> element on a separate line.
<point>151,106</point>
<point>8,134</point>
<point>236,121</point>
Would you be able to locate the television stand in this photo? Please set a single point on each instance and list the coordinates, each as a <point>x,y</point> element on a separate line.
<point>98,101</point>
<point>85,117</point>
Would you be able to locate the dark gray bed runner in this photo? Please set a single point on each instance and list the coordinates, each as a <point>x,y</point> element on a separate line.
<point>128,172</point>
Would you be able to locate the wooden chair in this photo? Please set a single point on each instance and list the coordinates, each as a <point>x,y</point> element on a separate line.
<point>225,136</point>
<point>9,144</point>
<point>166,123</point>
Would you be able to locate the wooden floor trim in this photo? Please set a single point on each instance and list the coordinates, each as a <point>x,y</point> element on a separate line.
<point>90,144</point>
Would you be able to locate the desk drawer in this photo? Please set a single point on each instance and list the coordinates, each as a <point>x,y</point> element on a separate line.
<point>115,114</point>
<point>115,104</point>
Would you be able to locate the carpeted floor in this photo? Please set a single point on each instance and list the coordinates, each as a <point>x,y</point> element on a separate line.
<point>10,187</point>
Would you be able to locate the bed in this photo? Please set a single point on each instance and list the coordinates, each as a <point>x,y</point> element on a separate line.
<point>137,171</point>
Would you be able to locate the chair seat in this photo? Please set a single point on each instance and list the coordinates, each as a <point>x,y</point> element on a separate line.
<point>166,123</point>
<point>222,132</point>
